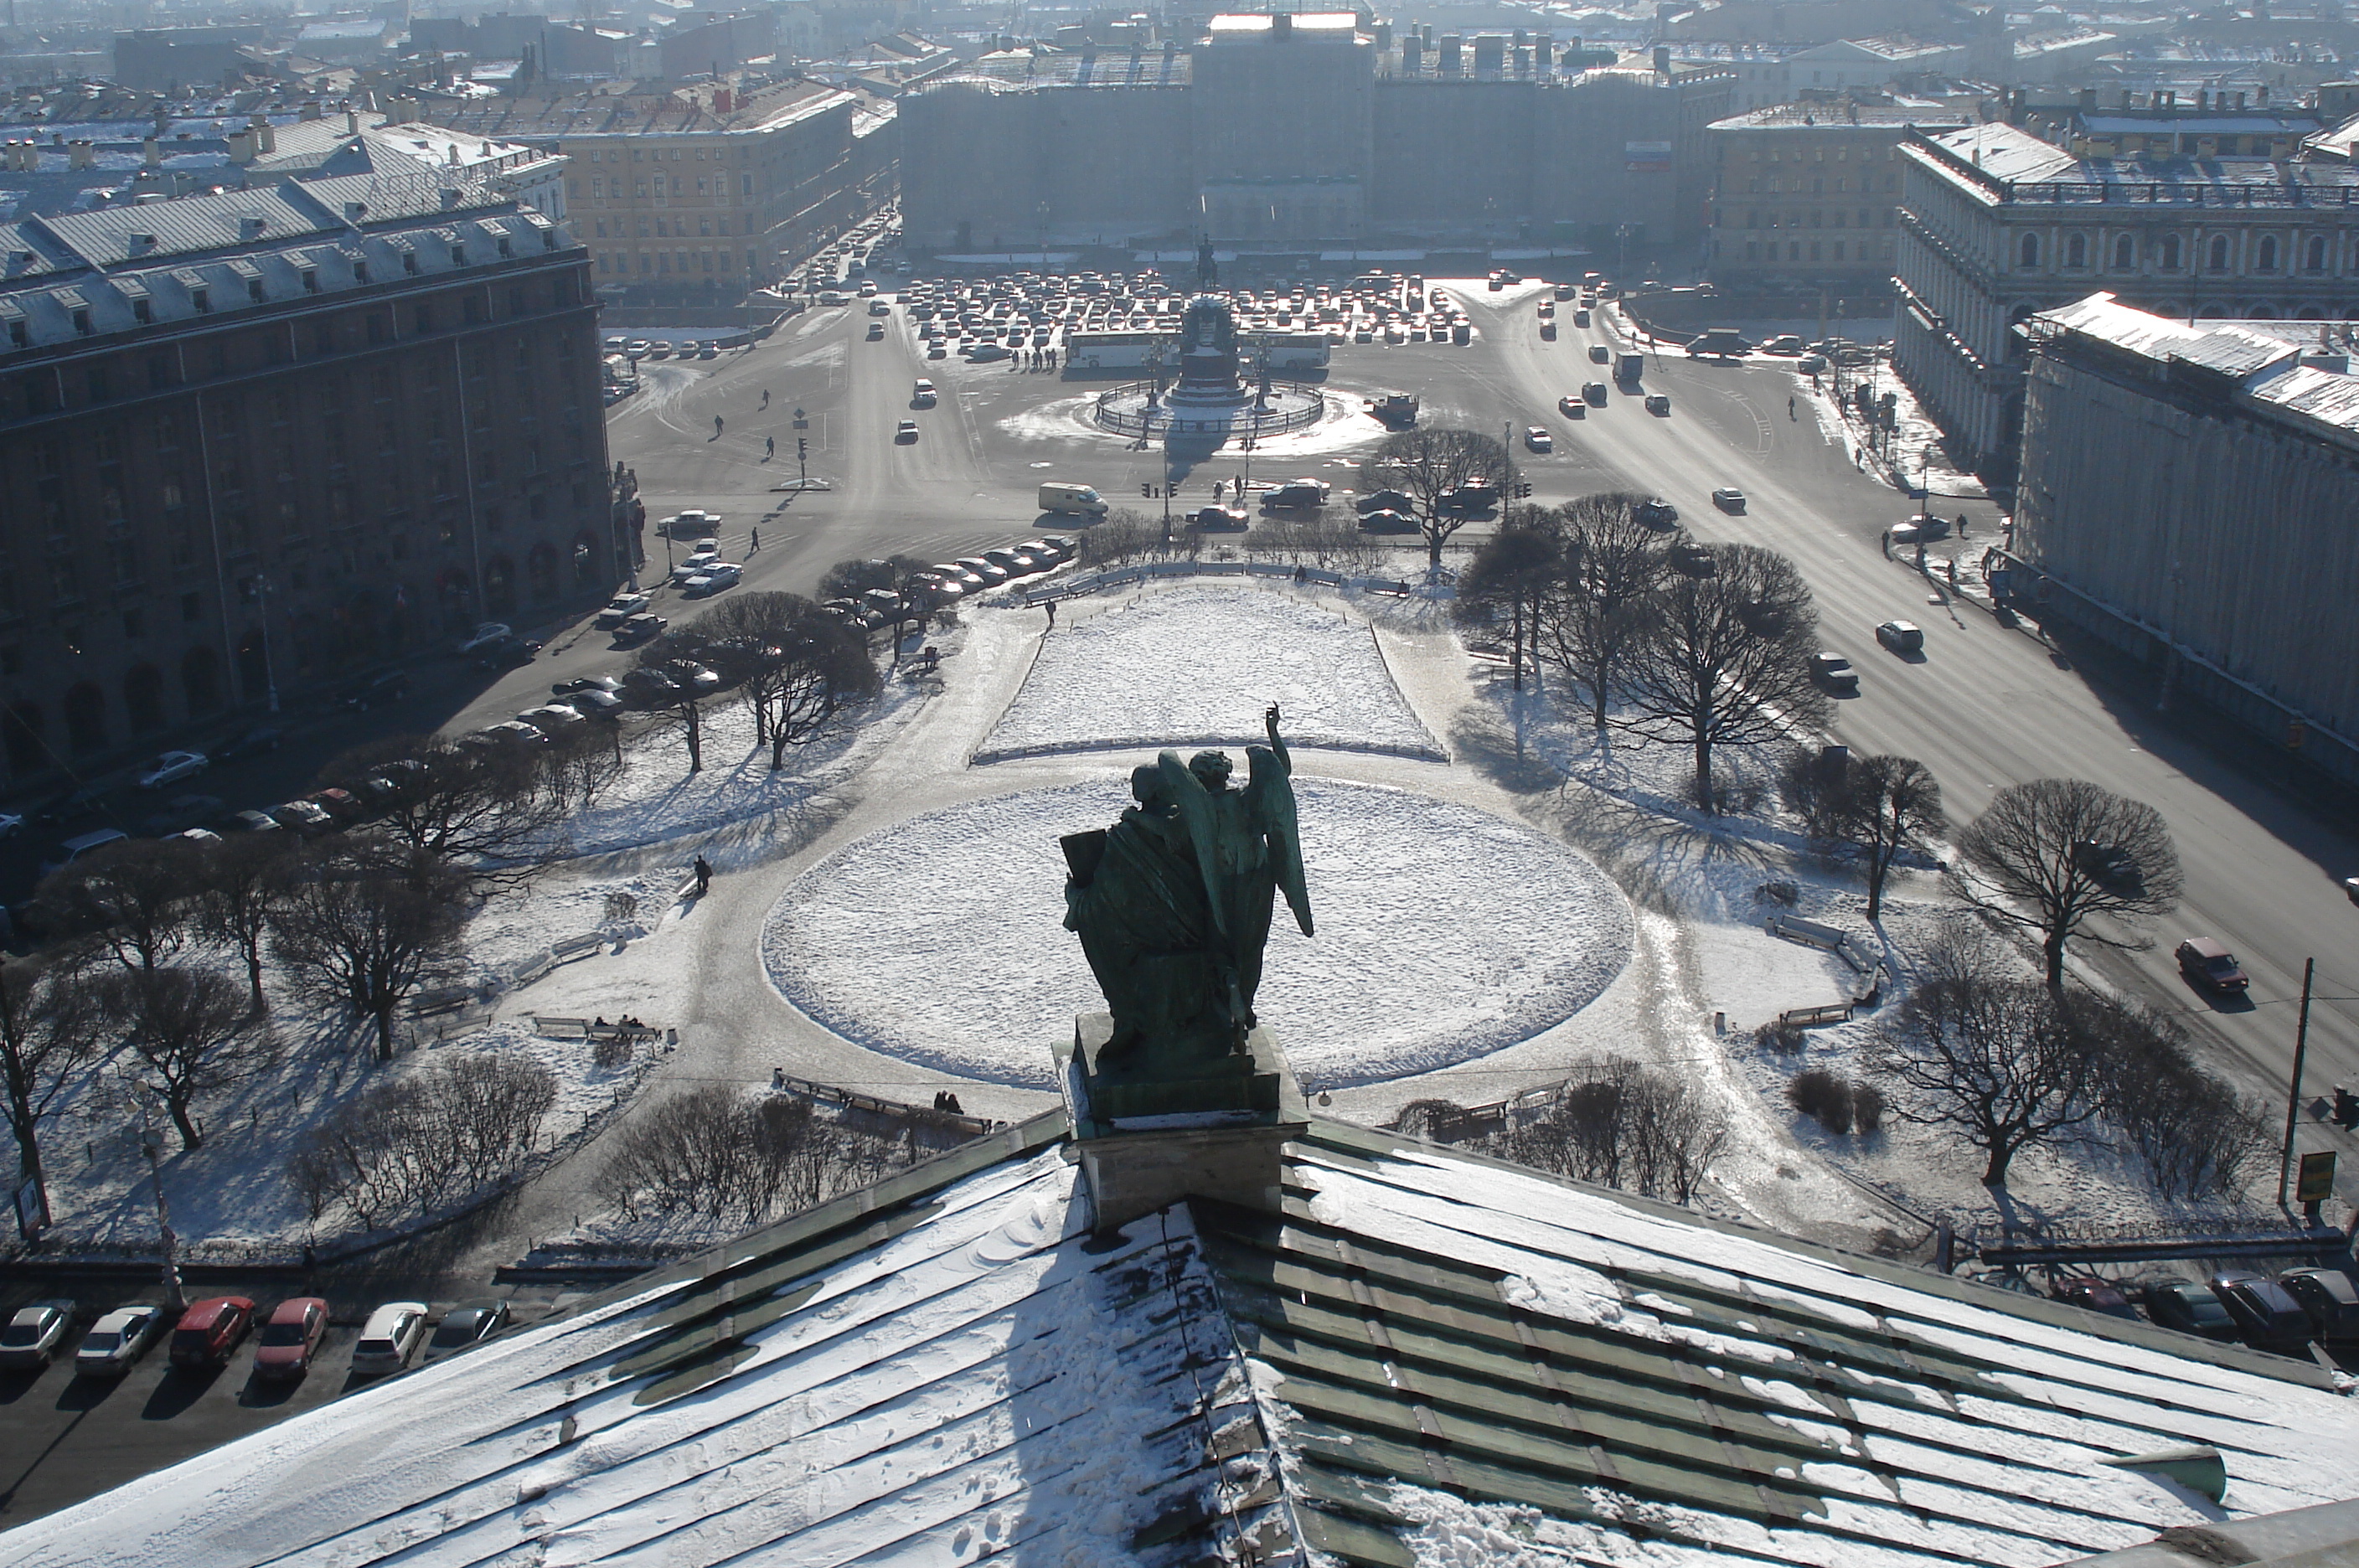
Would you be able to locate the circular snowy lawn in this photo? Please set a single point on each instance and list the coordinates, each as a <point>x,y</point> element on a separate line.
<point>1445,934</point>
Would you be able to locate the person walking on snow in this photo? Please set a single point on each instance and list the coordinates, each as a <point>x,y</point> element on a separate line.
<point>765,397</point>
<point>703,876</point>
<point>716,427</point>
<point>755,547</point>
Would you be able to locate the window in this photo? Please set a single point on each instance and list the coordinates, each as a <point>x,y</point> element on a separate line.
<point>311,276</point>
<point>2125,252</point>
<point>2314,254</point>
<point>2028,251</point>
<point>2076,251</point>
<point>2265,258</point>
<point>2170,253</point>
<point>2219,252</point>
<point>142,311</point>
<point>200,300</point>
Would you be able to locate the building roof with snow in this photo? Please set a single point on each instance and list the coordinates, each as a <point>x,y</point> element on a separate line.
<point>1393,1354</point>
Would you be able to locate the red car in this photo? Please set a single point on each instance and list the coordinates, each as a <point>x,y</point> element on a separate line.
<point>290,1337</point>
<point>210,1331</point>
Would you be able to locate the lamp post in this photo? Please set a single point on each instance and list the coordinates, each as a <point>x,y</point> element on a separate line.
<point>151,1144</point>
<point>269,666</point>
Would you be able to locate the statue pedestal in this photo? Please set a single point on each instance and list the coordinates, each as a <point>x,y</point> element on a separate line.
<point>1215,1133</point>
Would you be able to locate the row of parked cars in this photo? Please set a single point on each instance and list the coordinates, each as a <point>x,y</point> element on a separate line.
<point>948,581</point>
<point>2284,1315</point>
<point>205,1335</point>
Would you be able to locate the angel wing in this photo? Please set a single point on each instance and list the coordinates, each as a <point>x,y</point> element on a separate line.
<point>1271,796</point>
<point>1187,794</point>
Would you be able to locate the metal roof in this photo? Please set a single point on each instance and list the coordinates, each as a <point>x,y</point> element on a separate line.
<point>1412,1353</point>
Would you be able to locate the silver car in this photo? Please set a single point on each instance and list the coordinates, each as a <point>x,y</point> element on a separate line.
<point>390,1338</point>
<point>117,1340</point>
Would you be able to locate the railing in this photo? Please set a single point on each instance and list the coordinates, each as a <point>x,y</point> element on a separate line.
<point>1156,418</point>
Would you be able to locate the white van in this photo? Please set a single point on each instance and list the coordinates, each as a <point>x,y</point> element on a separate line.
<point>1078,500</point>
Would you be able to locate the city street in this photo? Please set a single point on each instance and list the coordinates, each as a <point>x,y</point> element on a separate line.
<point>1988,705</point>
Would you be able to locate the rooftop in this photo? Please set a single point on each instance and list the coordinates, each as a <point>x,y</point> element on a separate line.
<point>636,113</point>
<point>2002,164</point>
<point>1408,1356</point>
<point>2280,367</point>
<point>1843,117</point>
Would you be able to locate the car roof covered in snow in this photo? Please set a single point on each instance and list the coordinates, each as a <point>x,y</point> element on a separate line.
<point>1402,1352</point>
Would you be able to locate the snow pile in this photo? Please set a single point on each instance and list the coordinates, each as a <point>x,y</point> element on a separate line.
<point>1445,934</point>
<point>1195,666</point>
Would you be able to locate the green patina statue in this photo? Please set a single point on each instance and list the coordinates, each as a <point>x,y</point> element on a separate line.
<point>1173,904</point>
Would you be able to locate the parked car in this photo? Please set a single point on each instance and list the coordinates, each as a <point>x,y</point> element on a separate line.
<point>342,805</point>
<point>595,703</point>
<point>182,811</point>
<point>1050,550</point>
<point>552,718</point>
<point>717,576</point>
<point>209,1332</point>
<point>390,686</point>
<point>618,609</point>
<point>1389,521</point>
<point>2097,1295</point>
<point>1834,672</point>
<point>471,1323</point>
<point>503,651</point>
<point>639,628</point>
<point>2191,1308</point>
<point>34,1334</point>
<point>80,802</point>
<point>172,766</point>
<point>250,743</point>
<point>584,683</point>
<point>390,1338</point>
<point>249,820</point>
<point>291,1339</point>
<point>117,1340</point>
<point>508,731</point>
<point>2208,963</point>
<point>1901,637</point>
<point>976,566</point>
<point>2267,1317</point>
<point>1014,562</point>
<point>485,634</point>
<point>302,816</point>
<point>2327,1295</point>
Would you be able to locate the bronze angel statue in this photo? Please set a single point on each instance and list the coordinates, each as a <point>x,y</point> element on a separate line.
<point>1173,903</point>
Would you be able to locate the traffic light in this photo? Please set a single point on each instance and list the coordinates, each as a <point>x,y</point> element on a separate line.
<point>1524,490</point>
<point>1148,491</point>
<point>802,448</point>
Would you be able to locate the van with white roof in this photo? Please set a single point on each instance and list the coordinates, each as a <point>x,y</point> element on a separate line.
<point>1075,500</point>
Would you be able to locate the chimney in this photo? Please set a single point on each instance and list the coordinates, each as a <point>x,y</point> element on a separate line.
<point>82,154</point>
<point>251,227</point>
<point>152,152</point>
<point>354,212</point>
<point>311,110</point>
<point>142,243</point>
<point>352,121</point>
<point>240,147</point>
<point>1662,60</point>
<point>450,199</point>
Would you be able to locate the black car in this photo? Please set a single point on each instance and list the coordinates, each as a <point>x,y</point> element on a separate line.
<point>2265,1315</point>
<point>2108,865</point>
<point>1385,501</point>
<point>501,652</point>
<point>1476,497</point>
<point>2097,1295</point>
<point>391,686</point>
<point>585,684</point>
<point>73,804</point>
<point>2191,1308</point>
<point>253,743</point>
<point>2326,1294</point>
<point>469,1324</point>
<point>1657,513</point>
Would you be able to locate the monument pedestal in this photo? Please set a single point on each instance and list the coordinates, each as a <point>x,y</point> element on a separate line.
<point>1215,1133</point>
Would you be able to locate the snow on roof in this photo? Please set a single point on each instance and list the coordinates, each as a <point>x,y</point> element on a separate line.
<point>2264,357</point>
<point>1407,1345</point>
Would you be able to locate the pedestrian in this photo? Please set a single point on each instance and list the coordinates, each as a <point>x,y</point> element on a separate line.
<point>1302,574</point>
<point>755,548</point>
<point>1052,615</point>
<point>716,427</point>
<point>1789,409</point>
<point>769,448</point>
<point>703,876</point>
<point>1962,525</point>
<point>765,397</point>
<point>1886,540</point>
<point>1216,490</point>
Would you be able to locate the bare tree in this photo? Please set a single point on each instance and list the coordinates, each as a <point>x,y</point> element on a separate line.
<point>2058,851</point>
<point>490,809</point>
<point>2198,1136</point>
<point>717,1153</point>
<point>1996,1060</point>
<point>414,1144</point>
<point>358,928</point>
<point>1724,659</point>
<point>1885,807</point>
<point>240,880</point>
<point>49,1035</point>
<point>136,897</point>
<point>678,702</point>
<point>1613,566</point>
<point>1429,467</point>
<point>1626,1127</point>
<point>1514,570</point>
<point>194,1030</point>
<point>800,666</point>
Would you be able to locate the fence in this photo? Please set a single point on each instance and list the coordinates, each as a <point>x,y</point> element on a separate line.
<point>1306,406</point>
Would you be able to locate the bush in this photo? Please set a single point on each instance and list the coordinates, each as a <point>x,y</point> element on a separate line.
<point>1867,1108</point>
<point>1781,1037</point>
<point>1822,1095</point>
<point>1784,893</point>
<point>611,1050</point>
<point>1626,1127</point>
<point>406,1149</point>
<point>719,1152</point>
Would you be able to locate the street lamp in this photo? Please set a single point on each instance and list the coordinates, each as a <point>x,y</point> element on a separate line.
<point>151,1144</point>
<point>270,668</point>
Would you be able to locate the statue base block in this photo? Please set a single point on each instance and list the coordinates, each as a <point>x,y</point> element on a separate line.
<point>1216,1132</point>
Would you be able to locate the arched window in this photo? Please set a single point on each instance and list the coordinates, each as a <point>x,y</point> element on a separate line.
<point>540,570</point>
<point>2170,253</point>
<point>2266,260</point>
<point>2125,254</point>
<point>2028,251</point>
<point>2314,258</point>
<point>86,718</point>
<point>2219,252</point>
<point>201,681</point>
<point>2262,313</point>
<point>20,732</point>
<point>143,699</point>
<point>2076,251</point>
<point>499,586</point>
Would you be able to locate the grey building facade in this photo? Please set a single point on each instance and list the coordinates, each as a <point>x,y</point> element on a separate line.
<point>2187,493</point>
<point>1996,225</point>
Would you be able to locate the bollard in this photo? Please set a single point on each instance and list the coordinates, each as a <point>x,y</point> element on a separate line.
<point>1720,1023</point>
